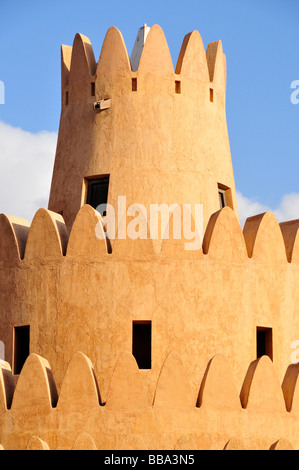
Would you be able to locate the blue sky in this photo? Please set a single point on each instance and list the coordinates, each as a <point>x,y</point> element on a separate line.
<point>261,43</point>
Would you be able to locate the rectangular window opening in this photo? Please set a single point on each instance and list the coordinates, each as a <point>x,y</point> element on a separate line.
<point>264,342</point>
<point>97,193</point>
<point>21,347</point>
<point>222,198</point>
<point>134,84</point>
<point>93,89</point>
<point>211,95</point>
<point>225,196</point>
<point>142,343</point>
<point>66,98</point>
<point>178,87</point>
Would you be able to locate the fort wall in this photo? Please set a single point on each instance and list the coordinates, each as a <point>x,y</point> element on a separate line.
<point>78,296</point>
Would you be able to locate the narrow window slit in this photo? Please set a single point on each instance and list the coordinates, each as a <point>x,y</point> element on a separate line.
<point>178,87</point>
<point>134,84</point>
<point>21,347</point>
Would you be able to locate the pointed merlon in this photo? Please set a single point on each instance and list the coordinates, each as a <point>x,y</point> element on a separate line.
<point>139,248</point>
<point>261,389</point>
<point>66,57</point>
<point>217,65</point>
<point>290,388</point>
<point>186,442</point>
<point>36,376</point>
<point>13,237</point>
<point>234,444</point>
<point>87,237</point>
<point>290,232</point>
<point>126,390</point>
<point>47,238</point>
<point>223,239</point>
<point>218,389</point>
<point>264,240</point>
<point>175,244</point>
<point>83,64</point>
<point>155,57</point>
<point>192,61</point>
<point>35,443</point>
<point>132,442</point>
<point>84,442</point>
<point>173,389</point>
<point>114,55</point>
<point>7,386</point>
<point>282,444</point>
<point>79,390</point>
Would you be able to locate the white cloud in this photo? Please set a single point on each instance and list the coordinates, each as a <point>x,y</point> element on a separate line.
<point>248,207</point>
<point>288,208</point>
<point>26,165</point>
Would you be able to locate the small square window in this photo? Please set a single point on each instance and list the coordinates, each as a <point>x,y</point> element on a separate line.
<point>134,84</point>
<point>178,87</point>
<point>142,343</point>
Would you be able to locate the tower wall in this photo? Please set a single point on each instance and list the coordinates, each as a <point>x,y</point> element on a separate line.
<point>158,146</point>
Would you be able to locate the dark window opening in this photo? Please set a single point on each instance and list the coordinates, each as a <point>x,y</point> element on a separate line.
<point>222,199</point>
<point>225,196</point>
<point>134,84</point>
<point>21,347</point>
<point>97,193</point>
<point>178,87</point>
<point>93,89</point>
<point>142,343</point>
<point>211,95</point>
<point>264,342</point>
<point>66,98</point>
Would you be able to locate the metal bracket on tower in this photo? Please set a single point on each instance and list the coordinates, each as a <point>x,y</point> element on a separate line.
<point>102,104</point>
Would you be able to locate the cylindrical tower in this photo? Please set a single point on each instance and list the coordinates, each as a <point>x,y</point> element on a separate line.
<point>156,135</point>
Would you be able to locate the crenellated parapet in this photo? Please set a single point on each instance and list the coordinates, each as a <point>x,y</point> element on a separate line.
<point>82,291</point>
<point>263,239</point>
<point>80,69</point>
<point>218,416</point>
